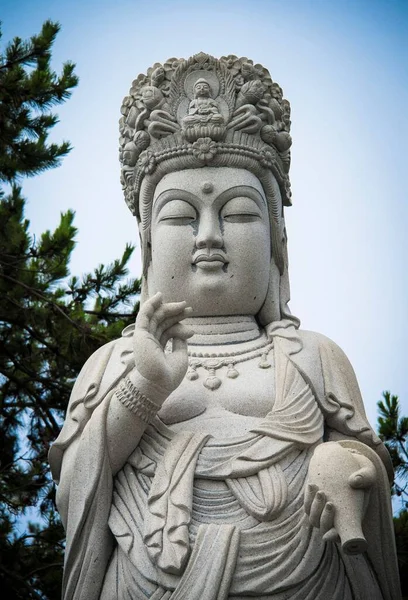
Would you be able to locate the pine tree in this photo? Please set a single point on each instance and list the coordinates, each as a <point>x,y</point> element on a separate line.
<point>393,430</point>
<point>50,321</point>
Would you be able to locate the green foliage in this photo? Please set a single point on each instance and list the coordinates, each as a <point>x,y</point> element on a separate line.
<point>28,89</point>
<point>50,321</point>
<point>393,430</point>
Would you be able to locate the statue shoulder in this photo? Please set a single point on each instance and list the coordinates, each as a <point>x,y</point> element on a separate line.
<point>318,347</point>
<point>314,354</point>
<point>328,369</point>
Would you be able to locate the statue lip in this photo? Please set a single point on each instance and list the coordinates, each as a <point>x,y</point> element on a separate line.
<point>209,258</point>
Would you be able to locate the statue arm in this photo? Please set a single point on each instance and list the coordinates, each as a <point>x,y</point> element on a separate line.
<point>342,498</point>
<point>337,391</point>
<point>341,389</point>
<point>128,419</point>
<point>124,428</point>
<point>119,391</point>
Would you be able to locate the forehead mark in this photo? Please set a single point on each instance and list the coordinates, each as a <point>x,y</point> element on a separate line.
<point>207,187</point>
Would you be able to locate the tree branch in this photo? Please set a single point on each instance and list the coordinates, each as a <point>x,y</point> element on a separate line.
<point>43,298</point>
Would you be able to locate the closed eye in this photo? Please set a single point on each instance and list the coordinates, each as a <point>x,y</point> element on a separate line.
<point>178,219</point>
<point>241,209</point>
<point>242,217</point>
<point>177,212</point>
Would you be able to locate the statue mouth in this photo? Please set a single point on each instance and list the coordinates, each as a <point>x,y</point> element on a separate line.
<point>210,262</point>
<point>209,258</point>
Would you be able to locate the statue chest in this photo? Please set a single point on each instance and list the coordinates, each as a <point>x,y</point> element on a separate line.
<point>232,408</point>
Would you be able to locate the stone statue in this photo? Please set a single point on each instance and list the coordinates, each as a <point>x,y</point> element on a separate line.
<point>217,451</point>
<point>203,108</point>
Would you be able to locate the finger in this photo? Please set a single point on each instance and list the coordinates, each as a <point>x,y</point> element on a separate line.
<point>172,320</point>
<point>176,331</point>
<point>331,536</point>
<point>153,303</point>
<point>147,310</point>
<point>327,518</point>
<point>365,476</point>
<point>317,508</point>
<point>165,311</point>
<point>179,345</point>
<point>310,493</point>
<point>178,360</point>
<point>362,479</point>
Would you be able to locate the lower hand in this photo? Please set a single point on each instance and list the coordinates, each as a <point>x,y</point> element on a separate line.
<point>320,503</point>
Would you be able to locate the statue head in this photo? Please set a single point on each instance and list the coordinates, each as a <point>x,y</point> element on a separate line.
<point>177,170</point>
<point>202,89</point>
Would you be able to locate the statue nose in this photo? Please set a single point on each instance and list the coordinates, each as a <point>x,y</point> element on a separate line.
<point>209,233</point>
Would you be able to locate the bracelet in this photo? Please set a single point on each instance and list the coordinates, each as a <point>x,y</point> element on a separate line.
<point>135,401</point>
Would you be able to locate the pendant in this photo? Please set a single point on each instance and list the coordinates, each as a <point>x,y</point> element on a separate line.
<point>263,363</point>
<point>192,374</point>
<point>232,373</point>
<point>212,382</point>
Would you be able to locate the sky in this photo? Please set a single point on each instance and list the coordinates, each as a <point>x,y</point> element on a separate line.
<point>343,67</point>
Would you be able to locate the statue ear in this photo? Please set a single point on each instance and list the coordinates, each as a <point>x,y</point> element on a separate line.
<point>144,295</point>
<point>270,310</point>
<point>146,248</point>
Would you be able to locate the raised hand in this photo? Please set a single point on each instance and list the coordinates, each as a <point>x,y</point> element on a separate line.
<point>156,324</point>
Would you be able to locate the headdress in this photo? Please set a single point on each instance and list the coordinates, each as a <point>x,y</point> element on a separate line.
<point>200,112</point>
<point>244,117</point>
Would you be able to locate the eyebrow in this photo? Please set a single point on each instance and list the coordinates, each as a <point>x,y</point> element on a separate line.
<point>243,191</point>
<point>168,195</point>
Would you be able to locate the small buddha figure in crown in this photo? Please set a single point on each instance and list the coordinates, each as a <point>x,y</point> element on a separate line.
<point>203,104</point>
<point>204,118</point>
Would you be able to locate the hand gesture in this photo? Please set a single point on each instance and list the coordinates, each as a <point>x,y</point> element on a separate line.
<point>156,324</point>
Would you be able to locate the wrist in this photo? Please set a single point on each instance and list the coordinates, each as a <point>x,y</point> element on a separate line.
<point>154,392</point>
<point>135,401</point>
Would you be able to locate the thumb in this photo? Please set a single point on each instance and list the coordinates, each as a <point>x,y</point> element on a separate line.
<point>177,331</point>
<point>366,474</point>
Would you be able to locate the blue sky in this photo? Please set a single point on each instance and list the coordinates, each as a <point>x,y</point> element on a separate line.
<point>343,67</point>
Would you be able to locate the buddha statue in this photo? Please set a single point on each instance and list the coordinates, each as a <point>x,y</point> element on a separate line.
<point>202,109</point>
<point>217,451</point>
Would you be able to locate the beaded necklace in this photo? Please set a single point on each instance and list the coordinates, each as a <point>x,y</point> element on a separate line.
<point>211,362</point>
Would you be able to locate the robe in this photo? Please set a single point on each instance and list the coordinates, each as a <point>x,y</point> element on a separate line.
<point>190,516</point>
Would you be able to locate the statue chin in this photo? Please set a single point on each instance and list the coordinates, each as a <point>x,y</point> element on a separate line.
<point>216,451</point>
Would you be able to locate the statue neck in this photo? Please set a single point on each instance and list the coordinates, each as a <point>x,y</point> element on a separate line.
<point>216,331</point>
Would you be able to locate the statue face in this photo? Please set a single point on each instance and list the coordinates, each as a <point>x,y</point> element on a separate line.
<point>202,89</point>
<point>210,239</point>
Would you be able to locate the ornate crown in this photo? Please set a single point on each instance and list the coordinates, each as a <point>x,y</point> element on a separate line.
<point>203,112</point>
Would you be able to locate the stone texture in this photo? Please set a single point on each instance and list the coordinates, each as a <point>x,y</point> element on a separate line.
<point>217,451</point>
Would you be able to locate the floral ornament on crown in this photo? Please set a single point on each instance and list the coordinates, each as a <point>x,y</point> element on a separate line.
<point>204,149</point>
<point>147,162</point>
